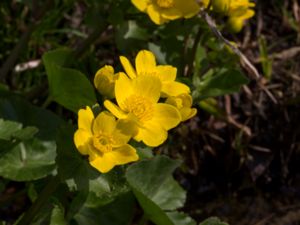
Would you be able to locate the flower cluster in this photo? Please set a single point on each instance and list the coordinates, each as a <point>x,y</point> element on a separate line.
<point>161,11</point>
<point>143,104</point>
<point>237,11</point>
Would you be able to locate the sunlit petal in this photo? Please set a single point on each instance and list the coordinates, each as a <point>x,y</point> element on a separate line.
<point>114,109</point>
<point>174,88</point>
<point>124,131</point>
<point>124,154</point>
<point>104,122</point>
<point>152,134</point>
<point>82,140</point>
<point>166,73</point>
<point>145,63</point>
<point>148,86</point>
<point>85,119</point>
<point>127,67</point>
<point>123,89</point>
<point>166,115</point>
<point>104,163</point>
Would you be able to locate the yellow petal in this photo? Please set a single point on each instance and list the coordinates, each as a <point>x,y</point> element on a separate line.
<point>188,8</point>
<point>145,63</point>
<point>127,67</point>
<point>123,89</point>
<point>166,115</point>
<point>125,130</point>
<point>166,73</point>
<point>187,113</point>
<point>152,134</point>
<point>114,109</point>
<point>119,156</point>
<point>104,81</point>
<point>187,100</point>
<point>235,24</point>
<point>154,14</point>
<point>85,119</point>
<point>174,88</point>
<point>140,4</point>
<point>103,163</point>
<point>82,141</point>
<point>171,13</point>
<point>124,154</point>
<point>147,86</point>
<point>104,122</point>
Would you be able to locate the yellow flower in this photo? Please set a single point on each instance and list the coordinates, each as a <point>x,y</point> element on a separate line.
<point>145,65</point>
<point>104,81</point>
<point>183,103</point>
<point>161,11</point>
<point>104,139</point>
<point>137,101</point>
<point>239,7</point>
<point>204,3</point>
<point>236,21</point>
<point>221,6</point>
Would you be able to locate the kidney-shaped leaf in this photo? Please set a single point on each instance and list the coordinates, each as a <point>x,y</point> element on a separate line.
<point>29,160</point>
<point>27,155</point>
<point>156,190</point>
<point>154,179</point>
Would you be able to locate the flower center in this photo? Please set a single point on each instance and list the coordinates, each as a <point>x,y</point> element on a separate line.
<point>165,3</point>
<point>140,107</point>
<point>103,142</point>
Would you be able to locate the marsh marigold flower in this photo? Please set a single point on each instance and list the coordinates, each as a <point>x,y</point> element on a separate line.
<point>183,103</point>
<point>104,139</point>
<point>239,12</point>
<point>161,11</point>
<point>104,81</point>
<point>137,101</point>
<point>145,65</point>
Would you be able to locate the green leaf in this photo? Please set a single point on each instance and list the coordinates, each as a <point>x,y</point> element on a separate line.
<point>12,130</point>
<point>29,160</point>
<point>119,212</point>
<point>154,179</point>
<point>152,210</point>
<point>27,157</point>
<point>92,188</point>
<point>224,82</point>
<point>8,128</point>
<point>180,218</point>
<point>213,221</point>
<point>15,108</point>
<point>68,87</point>
<point>155,189</point>
<point>105,188</point>
<point>77,168</point>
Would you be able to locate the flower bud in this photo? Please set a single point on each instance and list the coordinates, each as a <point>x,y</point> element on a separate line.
<point>220,6</point>
<point>104,81</point>
<point>235,24</point>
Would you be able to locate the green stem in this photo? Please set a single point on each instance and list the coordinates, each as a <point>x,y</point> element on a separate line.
<point>40,201</point>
